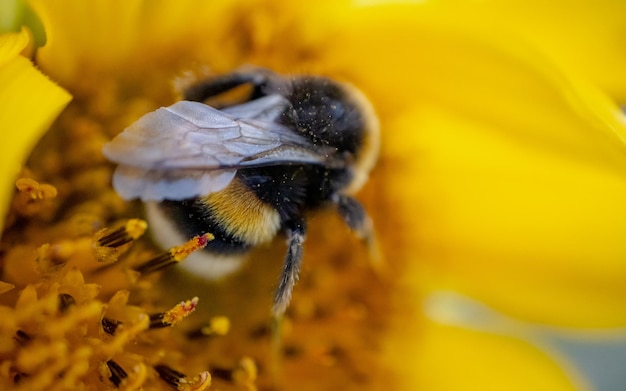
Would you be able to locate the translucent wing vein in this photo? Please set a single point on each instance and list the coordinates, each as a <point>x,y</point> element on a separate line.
<point>191,149</point>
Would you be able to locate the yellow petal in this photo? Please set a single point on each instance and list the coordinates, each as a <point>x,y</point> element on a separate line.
<point>30,102</point>
<point>533,233</point>
<point>586,36</point>
<point>505,176</point>
<point>124,39</point>
<point>13,44</point>
<point>438,357</point>
<point>119,38</point>
<point>85,35</point>
<point>5,287</point>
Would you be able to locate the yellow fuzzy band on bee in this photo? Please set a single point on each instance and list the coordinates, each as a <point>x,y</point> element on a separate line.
<point>241,213</point>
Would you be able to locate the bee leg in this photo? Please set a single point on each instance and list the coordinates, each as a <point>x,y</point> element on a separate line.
<point>355,217</point>
<point>204,90</point>
<point>291,267</point>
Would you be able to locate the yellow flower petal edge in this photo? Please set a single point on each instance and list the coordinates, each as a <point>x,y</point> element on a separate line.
<point>463,344</point>
<point>12,44</point>
<point>85,25</point>
<point>29,102</point>
<point>440,357</point>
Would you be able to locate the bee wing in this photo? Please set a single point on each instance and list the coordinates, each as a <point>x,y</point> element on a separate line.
<point>191,149</point>
<point>158,185</point>
<point>267,108</point>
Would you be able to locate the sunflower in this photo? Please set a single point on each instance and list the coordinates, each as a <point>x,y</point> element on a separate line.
<point>497,199</point>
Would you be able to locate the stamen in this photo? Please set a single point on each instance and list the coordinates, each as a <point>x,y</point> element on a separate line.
<point>108,244</point>
<point>35,190</point>
<point>118,374</point>
<point>48,259</point>
<point>110,325</point>
<point>22,337</point>
<point>132,230</point>
<point>291,351</point>
<point>33,198</point>
<point>156,321</point>
<point>175,254</point>
<point>218,326</point>
<point>155,264</point>
<point>18,377</point>
<point>5,287</point>
<point>180,382</point>
<point>173,316</point>
<point>222,373</point>
<point>65,302</point>
<point>260,331</point>
<point>169,375</point>
<point>246,373</point>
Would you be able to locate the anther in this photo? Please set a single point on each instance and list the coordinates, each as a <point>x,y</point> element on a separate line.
<point>132,230</point>
<point>179,381</point>
<point>173,316</point>
<point>118,374</point>
<point>218,326</point>
<point>175,254</point>
<point>110,325</point>
<point>65,302</point>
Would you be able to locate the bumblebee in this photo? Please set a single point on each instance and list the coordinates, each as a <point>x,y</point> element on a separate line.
<point>252,169</point>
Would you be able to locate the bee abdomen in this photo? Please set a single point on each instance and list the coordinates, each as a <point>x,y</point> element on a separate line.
<point>173,222</point>
<point>239,212</point>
